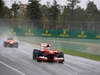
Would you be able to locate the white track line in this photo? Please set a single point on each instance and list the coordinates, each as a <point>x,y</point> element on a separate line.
<point>12,68</point>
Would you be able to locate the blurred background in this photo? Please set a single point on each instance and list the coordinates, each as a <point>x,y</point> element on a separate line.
<point>71,15</point>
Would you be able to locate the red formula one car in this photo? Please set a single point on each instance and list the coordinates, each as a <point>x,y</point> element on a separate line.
<point>10,42</point>
<point>48,55</point>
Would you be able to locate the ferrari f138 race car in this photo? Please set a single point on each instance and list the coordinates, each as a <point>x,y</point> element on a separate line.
<point>10,42</point>
<point>48,55</point>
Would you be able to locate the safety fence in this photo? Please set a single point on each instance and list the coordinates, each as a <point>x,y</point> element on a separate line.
<point>57,33</point>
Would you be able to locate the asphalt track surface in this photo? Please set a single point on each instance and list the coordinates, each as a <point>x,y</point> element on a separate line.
<point>18,61</point>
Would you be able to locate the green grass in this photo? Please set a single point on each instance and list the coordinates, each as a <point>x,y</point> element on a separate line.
<point>82,54</point>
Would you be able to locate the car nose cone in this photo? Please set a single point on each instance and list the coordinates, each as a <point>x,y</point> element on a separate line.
<point>11,42</point>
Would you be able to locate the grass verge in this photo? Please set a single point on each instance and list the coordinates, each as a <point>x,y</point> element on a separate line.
<point>82,54</point>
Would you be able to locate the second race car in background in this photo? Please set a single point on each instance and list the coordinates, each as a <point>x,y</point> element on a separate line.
<point>10,42</point>
<point>48,55</point>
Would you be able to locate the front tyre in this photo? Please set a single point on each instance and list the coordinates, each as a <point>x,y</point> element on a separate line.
<point>16,45</point>
<point>5,45</point>
<point>61,55</point>
<point>35,54</point>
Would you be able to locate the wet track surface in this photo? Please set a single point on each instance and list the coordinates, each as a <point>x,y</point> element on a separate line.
<point>18,61</point>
